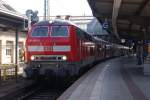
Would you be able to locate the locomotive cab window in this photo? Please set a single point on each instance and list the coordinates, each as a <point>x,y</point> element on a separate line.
<point>40,32</point>
<point>59,31</point>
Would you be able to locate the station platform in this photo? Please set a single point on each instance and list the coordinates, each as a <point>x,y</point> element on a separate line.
<point>115,79</point>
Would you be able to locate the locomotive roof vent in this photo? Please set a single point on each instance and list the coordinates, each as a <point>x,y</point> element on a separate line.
<point>58,17</point>
<point>67,17</point>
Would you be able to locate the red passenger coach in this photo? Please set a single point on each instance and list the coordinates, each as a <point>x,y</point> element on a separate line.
<point>61,48</point>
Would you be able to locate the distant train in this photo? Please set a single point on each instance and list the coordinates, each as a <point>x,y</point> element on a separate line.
<point>61,48</point>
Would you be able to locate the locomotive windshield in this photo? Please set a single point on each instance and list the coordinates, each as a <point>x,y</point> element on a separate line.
<point>40,32</point>
<point>59,31</point>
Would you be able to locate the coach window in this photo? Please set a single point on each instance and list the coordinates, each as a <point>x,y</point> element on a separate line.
<point>59,31</point>
<point>40,32</point>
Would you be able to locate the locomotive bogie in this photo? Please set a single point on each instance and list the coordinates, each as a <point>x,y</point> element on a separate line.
<point>60,69</point>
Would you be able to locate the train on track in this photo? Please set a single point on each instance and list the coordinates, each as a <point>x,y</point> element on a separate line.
<point>62,49</point>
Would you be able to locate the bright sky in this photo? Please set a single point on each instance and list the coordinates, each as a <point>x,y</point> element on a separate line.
<point>57,7</point>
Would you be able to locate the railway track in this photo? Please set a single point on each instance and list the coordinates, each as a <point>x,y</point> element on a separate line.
<point>41,94</point>
<point>47,91</point>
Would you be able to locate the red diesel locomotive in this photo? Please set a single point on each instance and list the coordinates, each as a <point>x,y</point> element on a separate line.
<point>61,48</point>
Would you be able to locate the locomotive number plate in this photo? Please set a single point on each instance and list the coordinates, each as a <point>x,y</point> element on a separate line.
<point>48,48</point>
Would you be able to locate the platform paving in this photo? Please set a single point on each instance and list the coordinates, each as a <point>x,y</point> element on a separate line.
<point>115,79</point>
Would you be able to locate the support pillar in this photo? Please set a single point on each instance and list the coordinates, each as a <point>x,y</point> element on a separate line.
<point>16,55</point>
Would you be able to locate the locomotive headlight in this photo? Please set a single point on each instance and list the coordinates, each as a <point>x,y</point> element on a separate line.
<point>32,58</point>
<point>64,58</point>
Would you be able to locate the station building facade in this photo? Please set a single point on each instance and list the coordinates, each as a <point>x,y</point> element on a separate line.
<point>7,46</point>
<point>9,22</point>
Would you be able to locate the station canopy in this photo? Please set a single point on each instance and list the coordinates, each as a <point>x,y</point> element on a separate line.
<point>10,18</point>
<point>127,19</point>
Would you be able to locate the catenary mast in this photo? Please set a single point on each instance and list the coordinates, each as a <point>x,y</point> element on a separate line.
<point>46,10</point>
